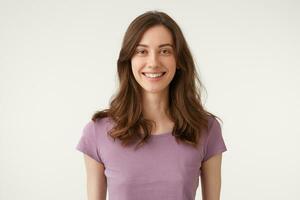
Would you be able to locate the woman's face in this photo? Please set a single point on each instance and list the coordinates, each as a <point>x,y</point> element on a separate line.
<point>154,56</point>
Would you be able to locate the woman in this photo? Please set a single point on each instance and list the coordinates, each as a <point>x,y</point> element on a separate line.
<point>156,139</point>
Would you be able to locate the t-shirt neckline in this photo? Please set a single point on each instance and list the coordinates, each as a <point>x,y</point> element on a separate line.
<point>162,134</point>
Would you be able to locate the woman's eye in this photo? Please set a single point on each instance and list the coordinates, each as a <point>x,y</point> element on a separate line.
<point>140,51</point>
<point>165,51</point>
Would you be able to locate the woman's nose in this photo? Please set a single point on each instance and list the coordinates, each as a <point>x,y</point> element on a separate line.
<point>153,59</point>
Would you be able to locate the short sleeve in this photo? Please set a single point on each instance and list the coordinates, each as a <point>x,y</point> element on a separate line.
<point>88,142</point>
<point>214,143</point>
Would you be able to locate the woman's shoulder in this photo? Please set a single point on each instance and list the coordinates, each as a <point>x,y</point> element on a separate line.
<point>98,126</point>
<point>212,121</point>
<point>101,123</point>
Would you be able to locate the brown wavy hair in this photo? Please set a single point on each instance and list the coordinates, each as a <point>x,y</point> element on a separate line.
<point>185,106</point>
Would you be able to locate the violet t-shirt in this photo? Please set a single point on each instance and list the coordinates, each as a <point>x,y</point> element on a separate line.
<point>160,169</point>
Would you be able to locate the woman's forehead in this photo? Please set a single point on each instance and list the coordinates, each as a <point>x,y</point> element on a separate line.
<point>156,36</point>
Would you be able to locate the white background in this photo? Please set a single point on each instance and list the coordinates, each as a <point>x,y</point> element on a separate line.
<point>58,65</point>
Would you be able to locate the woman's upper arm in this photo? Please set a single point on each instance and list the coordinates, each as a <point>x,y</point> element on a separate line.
<point>96,180</point>
<point>211,178</point>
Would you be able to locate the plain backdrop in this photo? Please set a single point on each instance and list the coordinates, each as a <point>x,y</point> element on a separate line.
<point>58,66</point>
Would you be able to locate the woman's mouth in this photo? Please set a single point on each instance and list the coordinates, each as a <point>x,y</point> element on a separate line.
<point>154,76</point>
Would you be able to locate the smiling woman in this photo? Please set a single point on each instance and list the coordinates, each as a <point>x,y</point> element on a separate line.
<point>156,139</point>
<point>154,64</point>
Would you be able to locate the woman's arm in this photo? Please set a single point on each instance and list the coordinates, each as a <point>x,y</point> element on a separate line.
<point>211,178</point>
<point>96,180</point>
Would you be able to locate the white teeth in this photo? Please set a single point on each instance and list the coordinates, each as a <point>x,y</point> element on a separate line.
<point>150,75</point>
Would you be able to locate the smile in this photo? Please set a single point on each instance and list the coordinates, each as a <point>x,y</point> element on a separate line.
<point>154,75</point>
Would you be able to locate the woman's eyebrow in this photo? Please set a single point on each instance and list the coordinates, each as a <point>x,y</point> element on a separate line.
<point>162,45</point>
